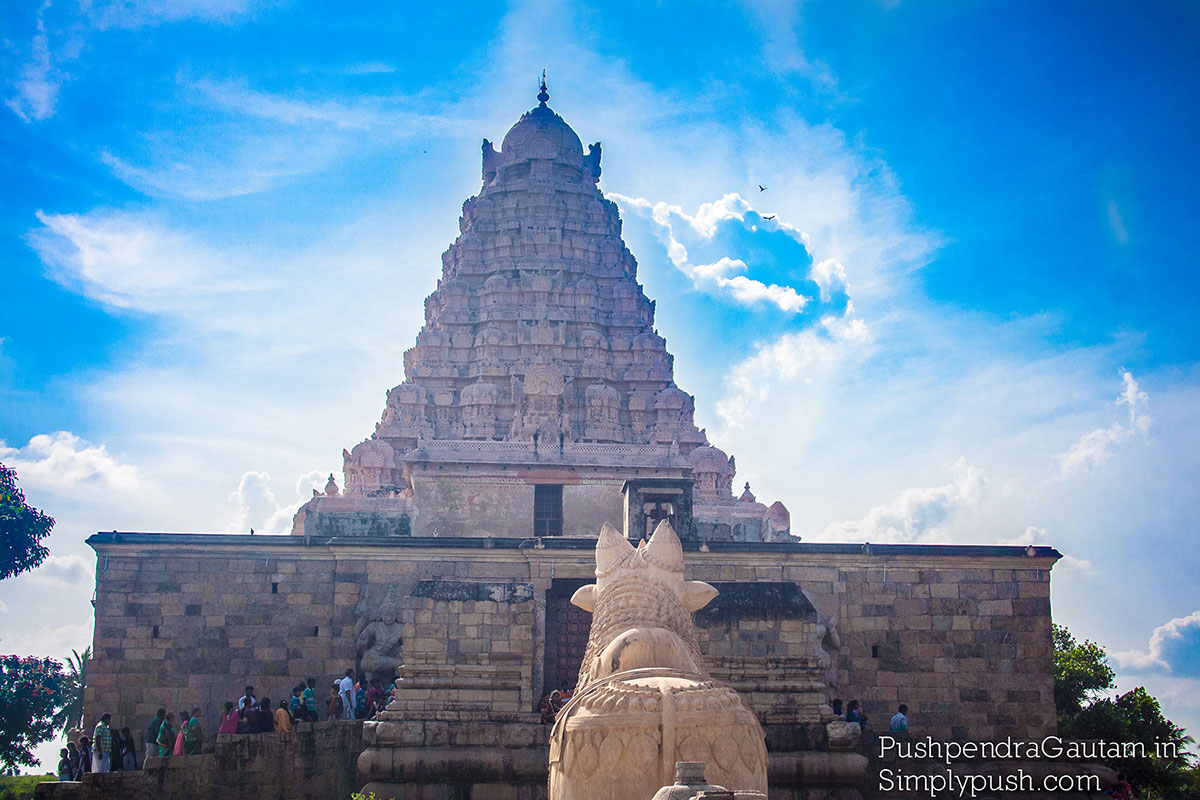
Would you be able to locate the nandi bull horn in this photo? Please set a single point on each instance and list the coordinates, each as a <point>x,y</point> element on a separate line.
<point>644,699</point>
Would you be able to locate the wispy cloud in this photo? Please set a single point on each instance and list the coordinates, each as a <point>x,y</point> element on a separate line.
<point>1040,536</point>
<point>39,77</point>
<point>69,570</point>
<point>125,261</point>
<point>780,22</point>
<point>59,39</point>
<point>143,13</point>
<point>62,462</point>
<point>918,514</point>
<point>795,358</point>
<point>1096,447</point>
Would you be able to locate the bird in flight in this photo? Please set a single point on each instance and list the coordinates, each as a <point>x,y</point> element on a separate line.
<point>770,217</point>
<point>762,188</point>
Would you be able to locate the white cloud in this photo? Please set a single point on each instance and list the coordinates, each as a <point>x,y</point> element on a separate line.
<point>780,22</point>
<point>1174,648</point>
<point>704,224</point>
<point>794,357</point>
<point>745,289</point>
<point>55,642</point>
<point>62,462</point>
<point>69,570</point>
<point>1039,536</point>
<point>57,45</point>
<point>231,139</point>
<point>257,508</point>
<point>1096,447</point>
<point>917,514</point>
<point>830,275</point>
<point>39,81</point>
<point>126,261</point>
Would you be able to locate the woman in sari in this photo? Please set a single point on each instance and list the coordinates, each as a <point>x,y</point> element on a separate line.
<point>229,720</point>
<point>183,723</point>
<point>193,737</point>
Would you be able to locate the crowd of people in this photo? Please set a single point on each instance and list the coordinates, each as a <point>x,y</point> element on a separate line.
<point>110,750</point>
<point>106,750</point>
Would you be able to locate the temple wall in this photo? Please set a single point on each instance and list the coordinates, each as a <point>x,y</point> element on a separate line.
<point>489,502</point>
<point>961,635</point>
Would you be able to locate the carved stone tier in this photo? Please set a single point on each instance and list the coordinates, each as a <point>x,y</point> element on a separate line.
<point>538,348</point>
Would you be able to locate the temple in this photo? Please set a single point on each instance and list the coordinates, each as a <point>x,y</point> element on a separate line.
<point>539,404</point>
<point>538,390</point>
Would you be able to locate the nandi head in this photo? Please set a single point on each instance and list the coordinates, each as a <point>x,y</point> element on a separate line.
<point>641,607</point>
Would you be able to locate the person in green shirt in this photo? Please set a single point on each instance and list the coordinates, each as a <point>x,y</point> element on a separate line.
<point>152,734</point>
<point>310,699</point>
<point>166,736</point>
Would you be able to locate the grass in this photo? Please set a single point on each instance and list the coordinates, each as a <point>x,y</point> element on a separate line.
<point>20,787</point>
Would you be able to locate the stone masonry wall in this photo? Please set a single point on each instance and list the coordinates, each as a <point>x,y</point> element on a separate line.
<point>316,762</point>
<point>962,635</point>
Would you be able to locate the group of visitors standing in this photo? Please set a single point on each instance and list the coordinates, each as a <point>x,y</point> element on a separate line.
<point>107,750</point>
<point>164,738</point>
<point>169,734</point>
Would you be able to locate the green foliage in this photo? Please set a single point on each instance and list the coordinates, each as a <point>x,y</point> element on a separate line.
<point>1081,673</point>
<point>21,787</point>
<point>22,528</point>
<point>1136,717</point>
<point>1082,679</point>
<point>30,694</point>
<point>74,681</point>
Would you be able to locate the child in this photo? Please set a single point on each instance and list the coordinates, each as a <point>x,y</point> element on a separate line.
<point>360,701</point>
<point>335,701</point>
<point>64,764</point>
<point>296,702</point>
<point>85,755</point>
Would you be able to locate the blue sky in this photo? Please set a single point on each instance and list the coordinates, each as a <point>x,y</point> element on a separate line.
<point>971,319</point>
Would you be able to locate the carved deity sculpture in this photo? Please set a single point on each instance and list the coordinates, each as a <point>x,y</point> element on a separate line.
<point>644,699</point>
<point>379,633</point>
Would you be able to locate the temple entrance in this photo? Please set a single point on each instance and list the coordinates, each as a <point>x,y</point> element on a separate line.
<point>567,629</point>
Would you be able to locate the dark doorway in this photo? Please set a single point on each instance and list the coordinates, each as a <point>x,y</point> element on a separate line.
<point>567,629</point>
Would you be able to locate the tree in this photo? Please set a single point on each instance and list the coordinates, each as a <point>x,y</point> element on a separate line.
<point>74,681</point>
<point>22,528</point>
<point>1081,672</point>
<point>30,694</point>
<point>1082,682</point>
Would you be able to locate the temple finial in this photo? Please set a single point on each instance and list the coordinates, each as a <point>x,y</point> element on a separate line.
<point>543,95</point>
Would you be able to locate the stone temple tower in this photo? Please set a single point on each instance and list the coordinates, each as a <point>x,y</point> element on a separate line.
<point>538,400</point>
